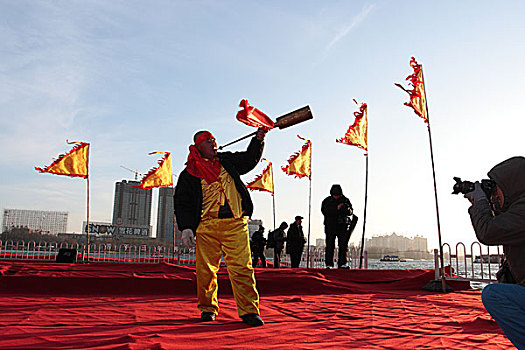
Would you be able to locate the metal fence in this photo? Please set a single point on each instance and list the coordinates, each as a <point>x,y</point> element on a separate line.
<point>126,253</point>
<point>479,264</point>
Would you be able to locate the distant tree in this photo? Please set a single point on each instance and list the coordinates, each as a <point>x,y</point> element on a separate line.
<point>26,234</point>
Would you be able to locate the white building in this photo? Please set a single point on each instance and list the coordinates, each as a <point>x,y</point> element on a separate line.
<point>47,222</point>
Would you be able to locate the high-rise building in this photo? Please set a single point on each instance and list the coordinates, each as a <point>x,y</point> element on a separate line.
<point>253,225</point>
<point>165,216</point>
<point>132,205</point>
<point>48,222</point>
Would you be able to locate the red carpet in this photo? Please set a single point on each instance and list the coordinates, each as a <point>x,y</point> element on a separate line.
<point>153,306</point>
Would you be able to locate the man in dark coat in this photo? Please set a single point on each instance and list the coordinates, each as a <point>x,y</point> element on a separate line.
<point>295,242</point>
<point>278,238</point>
<point>337,210</point>
<point>212,202</point>
<point>258,243</point>
<point>500,220</point>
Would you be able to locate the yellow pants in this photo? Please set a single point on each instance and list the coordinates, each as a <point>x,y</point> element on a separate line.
<point>215,236</point>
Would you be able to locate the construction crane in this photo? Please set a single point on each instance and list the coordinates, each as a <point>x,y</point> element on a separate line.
<point>133,171</point>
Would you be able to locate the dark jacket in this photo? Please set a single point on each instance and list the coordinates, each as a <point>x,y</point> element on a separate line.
<point>295,239</point>
<point>258,242</point>
<point>507,228</point>
<point>279,237</point>
<point>334,219</point>
<point>188,193</point>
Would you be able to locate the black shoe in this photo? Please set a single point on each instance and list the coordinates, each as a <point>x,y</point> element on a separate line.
<point>207,316</point>
<point>253,320</point>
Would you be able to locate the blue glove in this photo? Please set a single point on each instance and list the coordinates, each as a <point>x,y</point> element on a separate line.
<point>477,194</point>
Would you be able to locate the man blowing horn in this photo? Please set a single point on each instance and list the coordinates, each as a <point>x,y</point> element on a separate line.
<point>212,202</point>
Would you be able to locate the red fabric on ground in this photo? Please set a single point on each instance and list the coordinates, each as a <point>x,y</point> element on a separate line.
<point>153,306</point>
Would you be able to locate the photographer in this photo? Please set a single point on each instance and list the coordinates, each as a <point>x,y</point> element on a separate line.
<point>500,220</point>
<point>337,210</point>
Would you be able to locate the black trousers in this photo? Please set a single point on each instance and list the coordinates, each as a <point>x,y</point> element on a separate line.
<point>257,256</point>
<point>295,259</point>
<point>277,258</point>
<point>342,241</point>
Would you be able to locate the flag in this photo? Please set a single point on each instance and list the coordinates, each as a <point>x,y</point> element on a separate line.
<point>357,134</point>
<point>74,163</point>
<point>253,117</point>
<point>264,181</point>
<point>299,163</point>
<point>417,94</point>
<point>160,176</point>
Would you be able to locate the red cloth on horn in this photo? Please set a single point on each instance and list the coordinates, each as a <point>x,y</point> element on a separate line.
<point>251,116</point>
<point>202,168</point>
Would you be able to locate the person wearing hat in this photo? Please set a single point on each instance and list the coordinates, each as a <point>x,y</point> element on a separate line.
<point>257,245</point>
<point>295,241</point>
<point>212,202</point>
<point>337,210</point>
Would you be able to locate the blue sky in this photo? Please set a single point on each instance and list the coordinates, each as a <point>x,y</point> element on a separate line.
<point>132,77</point>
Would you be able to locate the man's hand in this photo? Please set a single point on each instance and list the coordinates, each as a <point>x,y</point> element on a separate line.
<point>187,238</point>
<point>477,194</point>
<point>261,133</point>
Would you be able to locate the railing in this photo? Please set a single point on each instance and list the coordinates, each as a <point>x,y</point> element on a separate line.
<point>317,257</point>
<point>467,266</point>
<point>126,253</point>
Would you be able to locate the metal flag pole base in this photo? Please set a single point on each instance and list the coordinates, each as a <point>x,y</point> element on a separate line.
<point>438,286</point>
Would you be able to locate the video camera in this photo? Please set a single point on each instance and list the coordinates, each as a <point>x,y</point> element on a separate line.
<point>488,186</point>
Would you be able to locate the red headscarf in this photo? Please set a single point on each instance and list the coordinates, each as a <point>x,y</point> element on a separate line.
<point>202,168</point>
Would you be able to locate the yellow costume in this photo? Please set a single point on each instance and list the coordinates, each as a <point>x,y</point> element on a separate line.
<point>229,236</point>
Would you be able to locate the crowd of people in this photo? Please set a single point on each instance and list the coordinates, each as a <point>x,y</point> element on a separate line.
<point>339,222</point>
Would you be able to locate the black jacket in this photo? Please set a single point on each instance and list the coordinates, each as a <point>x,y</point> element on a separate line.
<point>188,192</point>
<point>279,237</point>
<point>258,242</point>
<point>295,239</point>
<point>334,219</point>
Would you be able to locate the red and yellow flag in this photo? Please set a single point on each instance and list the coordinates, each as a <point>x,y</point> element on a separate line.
<point>160,176</point>
<point>299,163</point>
<point>251,116</point>
<point>357,134</point>
<point>264,181</point>
<point>417,94</point>
<point>74,163</point>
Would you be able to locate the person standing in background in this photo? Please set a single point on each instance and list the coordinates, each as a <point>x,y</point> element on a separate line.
<point>295,241</point>
<point>337,210</point>
<point>257,245</point>
<point>276,241</point>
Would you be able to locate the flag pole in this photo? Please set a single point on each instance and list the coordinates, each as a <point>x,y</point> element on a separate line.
<point>87,218</point>
<point>309,220</point>
<point>364,214</point>
<point>273,199</point>
<point>309,210</point>
<point>442,274</point>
